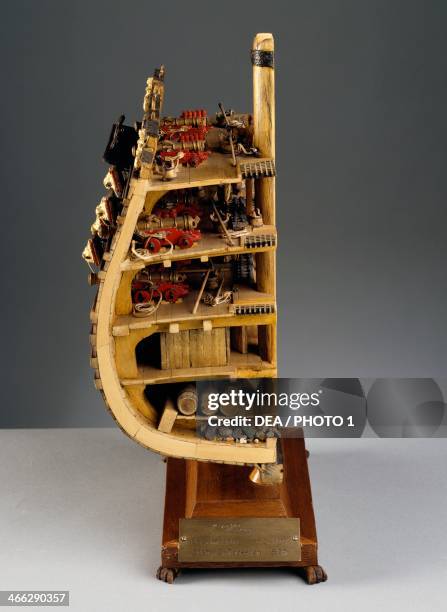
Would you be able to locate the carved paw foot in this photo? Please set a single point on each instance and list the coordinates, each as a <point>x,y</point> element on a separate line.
<point>313,574</point>
<point>167,574</point>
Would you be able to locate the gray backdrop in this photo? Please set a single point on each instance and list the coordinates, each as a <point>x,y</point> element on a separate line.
<point>361,155</point>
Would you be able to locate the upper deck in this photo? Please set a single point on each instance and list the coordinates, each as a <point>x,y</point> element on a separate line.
<point>218,169</point>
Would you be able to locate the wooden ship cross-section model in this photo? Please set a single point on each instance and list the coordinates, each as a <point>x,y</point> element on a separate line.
<point>183,255</point>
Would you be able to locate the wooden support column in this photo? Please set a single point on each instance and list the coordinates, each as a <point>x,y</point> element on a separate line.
<point>123,305</point>
<point>264,140</point>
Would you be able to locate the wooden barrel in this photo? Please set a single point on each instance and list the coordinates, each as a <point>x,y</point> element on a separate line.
<point>187,400</point>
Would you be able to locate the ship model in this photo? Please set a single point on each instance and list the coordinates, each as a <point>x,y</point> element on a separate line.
<point>182,253</point>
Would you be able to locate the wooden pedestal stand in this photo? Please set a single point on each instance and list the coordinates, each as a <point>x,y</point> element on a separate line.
<point>217,491</point>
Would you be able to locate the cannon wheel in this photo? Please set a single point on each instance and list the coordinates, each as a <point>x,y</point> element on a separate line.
<point>152,244</point>
<point>185,242</point>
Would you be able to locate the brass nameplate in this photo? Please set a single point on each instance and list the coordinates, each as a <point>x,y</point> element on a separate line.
<point>238,540</point>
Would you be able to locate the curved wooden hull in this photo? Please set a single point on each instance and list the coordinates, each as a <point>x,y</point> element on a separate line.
<point>116,333</point>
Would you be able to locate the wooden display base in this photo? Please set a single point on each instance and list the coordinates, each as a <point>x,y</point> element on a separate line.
<point>217,491</point>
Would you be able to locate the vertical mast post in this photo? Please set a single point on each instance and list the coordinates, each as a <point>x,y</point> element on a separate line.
<point>262,57</point>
